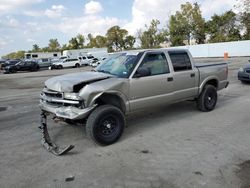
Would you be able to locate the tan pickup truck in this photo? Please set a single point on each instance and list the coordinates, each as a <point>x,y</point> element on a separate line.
<point>128,82</point>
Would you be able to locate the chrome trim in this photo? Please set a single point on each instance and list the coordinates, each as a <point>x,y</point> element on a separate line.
<point>44,97</point>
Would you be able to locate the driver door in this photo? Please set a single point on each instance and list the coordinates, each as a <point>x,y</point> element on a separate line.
<point>154,89</point>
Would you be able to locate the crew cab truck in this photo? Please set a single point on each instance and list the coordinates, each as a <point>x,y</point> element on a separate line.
<point>128,82</point>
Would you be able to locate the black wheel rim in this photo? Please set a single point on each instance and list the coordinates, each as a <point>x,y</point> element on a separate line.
<point>108,126</point>
<point>210,99</point>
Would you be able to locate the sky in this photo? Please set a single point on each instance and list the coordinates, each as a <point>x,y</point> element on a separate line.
<point>24,23</point>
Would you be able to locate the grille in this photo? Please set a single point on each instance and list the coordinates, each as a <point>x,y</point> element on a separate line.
<point>56,99</point>
<point>53,94</point>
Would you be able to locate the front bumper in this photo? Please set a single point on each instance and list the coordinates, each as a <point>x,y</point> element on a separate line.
<point>68,112</point>
<point>243,76</point>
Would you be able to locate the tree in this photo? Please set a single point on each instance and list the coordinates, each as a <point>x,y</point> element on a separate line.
<point>223,28</point>
<point>96,42</point>
<point>92,41</point>
<point>80,39</point>
<point>101,41</point>
<point>35,48</point>
<point>53,45</point>
<point>76,42</point>
<point>152,37</point>
<point>187,24</point>
<point>116,39</point>
<point>244,9</point>
<point>15,55</point>
<point>73,43</point>
<point>129,42</point>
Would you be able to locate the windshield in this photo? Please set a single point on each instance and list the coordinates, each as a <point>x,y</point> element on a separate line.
<point>120,65</point>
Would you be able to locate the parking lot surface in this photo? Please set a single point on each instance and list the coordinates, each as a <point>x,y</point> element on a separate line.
<point>170,147</point>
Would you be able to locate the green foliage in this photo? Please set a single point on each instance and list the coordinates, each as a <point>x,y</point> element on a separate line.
<point>223,28</point>
<point>244,9</point>
<point>15,55</point>
<point>80,39</point>
<point>152,37</point>
<point>92,41</point>
<point>118,39</point>
<point>35,48</point>
<point>187,24</point>
<point>101,41</point>
<point>53,45</point>
<point>73,43</point>
<point>96,42</point>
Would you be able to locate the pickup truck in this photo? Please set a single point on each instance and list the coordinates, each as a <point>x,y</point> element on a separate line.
<point>125,83</point>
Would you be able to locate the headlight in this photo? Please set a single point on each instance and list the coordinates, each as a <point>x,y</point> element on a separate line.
<point>241,70</point>
<point>72,96</point>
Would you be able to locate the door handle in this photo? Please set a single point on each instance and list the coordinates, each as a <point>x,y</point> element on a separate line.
<point>170,79</point>
<point>192,75</point>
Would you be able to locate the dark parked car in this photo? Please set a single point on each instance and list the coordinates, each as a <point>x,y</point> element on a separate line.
<point>2,62</point>
<point>244,73</point>
<point>10,62</point>
<point>22,66</point>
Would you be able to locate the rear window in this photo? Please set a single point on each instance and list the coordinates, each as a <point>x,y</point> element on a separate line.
<point>180,61</point>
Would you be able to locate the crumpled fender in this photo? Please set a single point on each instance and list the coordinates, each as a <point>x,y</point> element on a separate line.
<point>119,87</point>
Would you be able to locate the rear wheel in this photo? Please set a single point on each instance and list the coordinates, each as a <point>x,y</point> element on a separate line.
<point>105,124</point>
<point>77,65</point>
<point>60,66</point>
<point>207,99</point>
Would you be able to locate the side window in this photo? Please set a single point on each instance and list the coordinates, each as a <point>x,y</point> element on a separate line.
<point>180,61</point>
<point>83,57</point>
<point>156,63</point>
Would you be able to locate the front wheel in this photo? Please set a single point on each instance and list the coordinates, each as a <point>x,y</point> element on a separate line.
<point>77,65</point>
<point>105,124</point>
<point>208,98</point>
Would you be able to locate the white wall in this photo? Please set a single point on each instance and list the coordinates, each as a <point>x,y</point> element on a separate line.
<point>238,48</point>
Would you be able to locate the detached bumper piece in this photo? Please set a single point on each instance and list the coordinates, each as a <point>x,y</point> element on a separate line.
<point>47,142</point>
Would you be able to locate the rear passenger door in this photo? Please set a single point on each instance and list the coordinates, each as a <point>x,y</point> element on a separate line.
<point>184,76</point>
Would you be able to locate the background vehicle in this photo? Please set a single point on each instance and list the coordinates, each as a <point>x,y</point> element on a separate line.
<point>10,62</point>
<point>41,55</point>
<point>22,66</point>
<point>129,82</point>
<point>66,63</point>
<point>2,61</point>
<point>98,62</point>
<point>244,73</point>
<point>44,62</point>
<point>96,52</point>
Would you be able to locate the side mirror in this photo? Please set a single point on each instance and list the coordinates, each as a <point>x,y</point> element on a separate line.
<point>142,72</point>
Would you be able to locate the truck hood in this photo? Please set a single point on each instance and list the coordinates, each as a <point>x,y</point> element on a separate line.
<point>66,83</point>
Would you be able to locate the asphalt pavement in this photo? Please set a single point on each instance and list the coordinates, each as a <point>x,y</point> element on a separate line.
<point>170,147</point>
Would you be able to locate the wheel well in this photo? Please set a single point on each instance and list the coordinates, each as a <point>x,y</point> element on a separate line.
<point>112,99</point>
<point>212,82</point>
